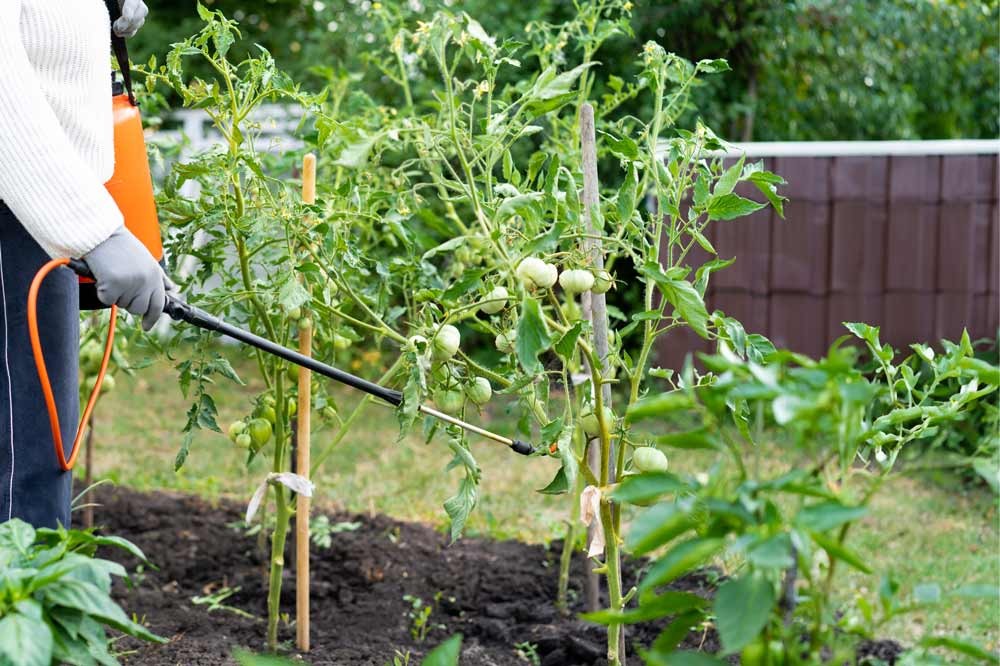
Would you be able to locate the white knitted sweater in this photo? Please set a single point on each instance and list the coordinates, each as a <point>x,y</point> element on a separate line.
<point>56,132</point>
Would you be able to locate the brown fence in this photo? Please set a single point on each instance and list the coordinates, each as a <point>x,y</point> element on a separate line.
<point>906,242</point>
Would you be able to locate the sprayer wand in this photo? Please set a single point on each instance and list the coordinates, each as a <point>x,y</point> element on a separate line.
<point>180,310</point>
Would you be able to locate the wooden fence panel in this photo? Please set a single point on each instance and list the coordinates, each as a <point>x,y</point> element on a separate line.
<point>910,243</point>
<point>800,243</point>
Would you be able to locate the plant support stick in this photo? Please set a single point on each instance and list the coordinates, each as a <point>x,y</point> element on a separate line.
<point>602,393</point>
<point>302,462</point>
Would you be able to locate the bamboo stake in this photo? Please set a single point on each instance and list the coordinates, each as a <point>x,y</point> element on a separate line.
<point>302,463</point>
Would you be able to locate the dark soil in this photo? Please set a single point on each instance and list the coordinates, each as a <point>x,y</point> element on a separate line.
<point>497,594</point>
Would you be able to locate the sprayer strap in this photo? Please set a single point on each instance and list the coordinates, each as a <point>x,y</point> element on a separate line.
<point>120,49</point>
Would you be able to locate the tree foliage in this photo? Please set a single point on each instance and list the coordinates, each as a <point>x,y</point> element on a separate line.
<point>802,69</point>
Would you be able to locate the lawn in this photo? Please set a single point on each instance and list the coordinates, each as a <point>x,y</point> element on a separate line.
<point>930,531</point>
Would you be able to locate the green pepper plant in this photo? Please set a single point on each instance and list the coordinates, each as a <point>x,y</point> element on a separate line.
<point>786,533</point>
<point>55,597</point>
<point>449,226</point>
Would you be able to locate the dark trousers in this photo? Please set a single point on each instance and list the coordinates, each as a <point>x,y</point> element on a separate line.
<point>32,485</point>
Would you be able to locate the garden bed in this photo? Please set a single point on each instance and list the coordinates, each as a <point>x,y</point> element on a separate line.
<point>497,594</point>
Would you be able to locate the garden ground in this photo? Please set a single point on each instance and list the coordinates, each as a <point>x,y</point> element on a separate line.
<point>938,531</point>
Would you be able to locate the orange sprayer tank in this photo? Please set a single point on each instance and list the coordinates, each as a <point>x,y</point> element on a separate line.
<point>131,186</point>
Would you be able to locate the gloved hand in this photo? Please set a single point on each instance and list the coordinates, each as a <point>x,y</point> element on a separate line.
<point>133,16</point>
<point>128,276</point>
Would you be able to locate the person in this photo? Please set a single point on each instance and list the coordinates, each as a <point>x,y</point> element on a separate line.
<point>56,153</point>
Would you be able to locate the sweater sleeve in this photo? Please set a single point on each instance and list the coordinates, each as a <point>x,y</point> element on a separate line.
<point>43,180</point>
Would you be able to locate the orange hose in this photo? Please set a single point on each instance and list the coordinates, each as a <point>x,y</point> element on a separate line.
<point>43,375</point>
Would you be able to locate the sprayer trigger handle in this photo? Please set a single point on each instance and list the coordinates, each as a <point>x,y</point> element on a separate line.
<point>81,268</point>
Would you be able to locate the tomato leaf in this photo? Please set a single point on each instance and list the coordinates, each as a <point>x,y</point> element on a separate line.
<point>460,505</point>
<point>558,485</point>
<point>565,344</point>
<point>730,207</point>
<point>627,195</point>
<point>682,295</point>
<point>532,335</point>
<point>727,181</point>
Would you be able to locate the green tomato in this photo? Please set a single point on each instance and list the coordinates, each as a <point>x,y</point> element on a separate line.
<point>572,309</point>
<point>590,424</point>
<point>108,385</point>
<point>535,273</point>
<point>446,342</point>
<point>305,324</point>
<point>260,431</point>
<point>329,413</point>
<point>243,441</point>
<point>479,391</point>
<point>464,254</point>
<point>291,407</point>
<point>268,399</point>
<point>649,459</point>
<point>295,313</point>
<point>448,401</point>
<point>602,282</point>
<point>341,342</point>
<point>505,341</point>
<point>267,413</point>
<point>495,301</point>
<point>576,281</point>
<point>236,428</point>
<point>90,357</point>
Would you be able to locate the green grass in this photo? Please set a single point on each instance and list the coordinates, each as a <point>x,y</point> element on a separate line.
<point>369,471</point>
<point>924,531</point>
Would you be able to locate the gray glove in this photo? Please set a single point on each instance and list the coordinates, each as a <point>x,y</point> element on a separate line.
<point>133,16</point>
<point>128,276</point>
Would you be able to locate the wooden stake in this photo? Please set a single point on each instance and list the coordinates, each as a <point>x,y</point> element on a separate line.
<point>594,305</point>
<point>302,462</point>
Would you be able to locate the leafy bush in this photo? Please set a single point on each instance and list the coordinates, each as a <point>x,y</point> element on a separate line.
<point>789,532</point>
<point>55,597</point>
<point>971,443</point>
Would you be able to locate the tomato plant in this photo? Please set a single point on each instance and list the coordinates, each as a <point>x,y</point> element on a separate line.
<point>448,223</point>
